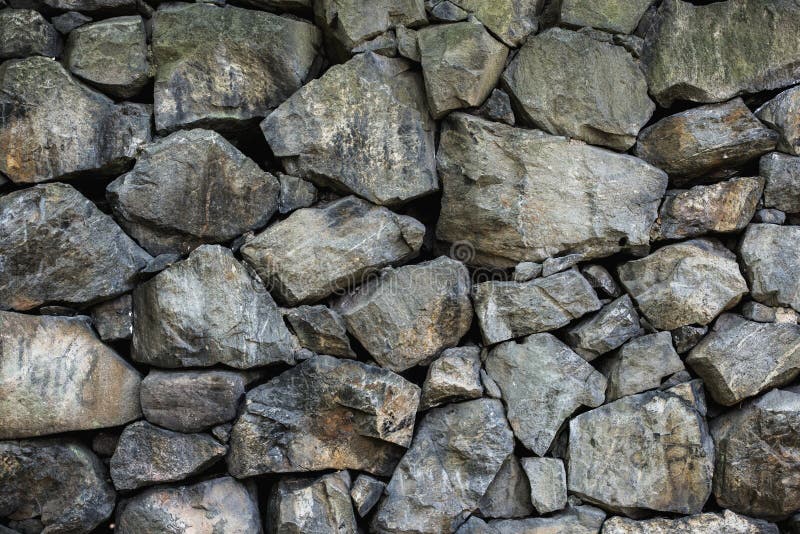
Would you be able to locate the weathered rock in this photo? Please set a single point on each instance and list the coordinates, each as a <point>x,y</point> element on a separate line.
<point>312,505</point>
<point>758,456</point>
<point>445,11</point>
<point>710,53</point>
<point>69,21</point>
<point>725,523</point>
<point>218,505</point>
<point>453,376</point>
<point>708,139</point>
<point>782,114</point>
<point>301,7</point>
<point>192,188</point>
<point>575,520</point>
<point>526,271</point>
<point>724,207</point>
<point>461,64</point>
<point>542,382</point>
<point>205,310</point>
<point>211,73</point>
<point>771,257</point>
<point>758,312</point>
<point>58,483</point>
<point>510,20</point>
<point>741,358</point>
<point>520,195</point>
<point>551,266</point>
<point>456,453</point>
<point>407,45</point>
<point>363,127</point>
<point>147,455</point>
<point>507,310</point>
<point>51,124</point>
<point>111,55</point>
<point>24,32</point>
<point>609,15</point>
<point>366,492</point>
<point>384,44</point>
<point>325,414</point>
<point>104,443</point>
<point>769,216</point>
<point>56,376</point>
<point>321,330</point>
<point>600,279</point>
<point>683,284</point>
<point>96,8</point>
<point>333,247</point>
<point>295,193</point>
<point>113,319</point>
<point>548,482</point>
<point>782,176</point>
<point>606,330</point>
<point>497,108</point>
<point>509,494</point>
<point>650,451</point>
<point>569,84</point>
<point>191,401</point>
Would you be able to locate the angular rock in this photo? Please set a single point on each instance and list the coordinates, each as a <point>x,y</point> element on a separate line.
<point>312,505</point>
<point>650,451</point>
<point>520,195</point>
<point>575,520</point>
<point>211,73</point>
<point>407,45</point>
<point>782,176</point>
<point>24,32</point>
<point>608,15</point>
<point>445,11</point>
<point>497,108</point>
<point>606,330</point>
<point>710,53</point>
<point>325,414</point>
<point>363,127</point>
<point>96,8</point>
<point>191,401</point>
<point>510,20</point>
<point>453,376</point>
<point>509,494</point>
<point>51,125</point>
<point>567,83</point>
<point>113,319</point>
<point>543,383</point>
<point>58,483</point>
<point>722,208</point>
<point>548,482</point>
<point>686,337</point>
<point>69,21</point>
<point>147,455</point>
<point>771,257</point>
<point>218,505</point>
<point>110,54</point>
<point>333,247</point>
<point>295,193</point>
<point>782,114</point>
<point>769,216</point>
<point>366,492</point>
<point>758,312</point>
<point>205,310</point>
<point>320,330</point>
<point>741,358</point>
<point>700,141</point>
<point>526,271</point>
<point>190,188</point>
<point>758,456</point>
<point>443,476</point>
<point>599,278</point>
<point>461,64</point>
<point>385,45</point>
<point>725,523</point>
<point>683,284</point>
<point>551,266</point>
<point>56,376</point>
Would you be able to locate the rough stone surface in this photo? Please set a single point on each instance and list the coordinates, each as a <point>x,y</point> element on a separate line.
<point>610,15</point>
<point>782,114</point>
<point>771,261</point>
<point>769,216</point>
<point>758,312</point>
<point>509,494</point>
<point>551,266</point>
<point>606,330</point>
<point>497,107</point>
<point>311,505</point>
<point>366,492</point>
<point>69,21</point>
<point>295,193</point>
<point>24,32</point>
<point>526,271</point>
<point>453,376</point>
<point>113,319</point>
<point>575,520</point>
<point>548,482</point>
<point>686,337</point>
<point>725,523</point>
<point>782,176</point>
<point>510,20</point>
<point>600,279</point>
<point>320,330</point>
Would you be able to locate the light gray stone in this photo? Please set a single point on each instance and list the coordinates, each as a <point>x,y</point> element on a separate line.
<point>609,15</point>
<point>25,32</point>
<point>758,312</point>
<point>453,376</point>
<point>366,492</point>
<point>510,20</point>
<point>606,330</point>
<point>526,271</point>
<point>575,520</point>
<point>509,494</point>
<point>710,523</point>
<point>548,481</point>
<point>771,261</point>
<point>782,176</point>
<point>311,505</point>
<point>782,114</point>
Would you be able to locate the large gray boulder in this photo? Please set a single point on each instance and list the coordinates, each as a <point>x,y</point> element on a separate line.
<point>782,114</point>
<point>56,376</point>
<point>771,257</point>
<point>782,176</point>
<point>510,20</point>
<point>212,73</point>
<point>363,127</point>
<point>710,523</point>
<point>616,16</point>
<point>52,123</point>
<point>302,504</point>
<point>568,83</point>
<point>205,310</point>
<point>25,32</point>
<point>519,195</point>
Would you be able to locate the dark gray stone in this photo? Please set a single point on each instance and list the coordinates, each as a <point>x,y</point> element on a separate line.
<point>497,108</point>
<point>453,376</point>
<point>509,494</point>
<point>782,114</point>
<point>295,193</point>
<point>113,319</point>
<point>758,312</point>
<point>320,330</point>
<point>782,175</point>
<point>24,32</point>
<point>366,492</point>
<point>600,279</point>
<point>686,337</point>
<point>69,21</point>
<point>299,505</point>
<point>575,520</point>
<point>606,330</point>
<point>769,216</point>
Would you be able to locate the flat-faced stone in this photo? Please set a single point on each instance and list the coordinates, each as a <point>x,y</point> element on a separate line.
<point>68,21</point>
<point>725,523</point>
<point>609,15</point>
<point>295,193</point>
<point>510,20</point>
<point>782,176</point>
<point>771,261</point>
<point>509,494</point>
<point>548,482</point>
<point>606,330</point>
<point>25,32</point>
<point>113,319</point>
<point>320,330</point>
<point>782,114</point>
<point>365,492</point>
<point>305,504</point>
<point>453,376</point>
<point>575,520</point>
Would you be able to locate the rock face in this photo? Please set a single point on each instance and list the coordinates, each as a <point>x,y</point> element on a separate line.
<point>710,53</point>
<point>51,124</point>
<point>56,376</point>
<point>771,257</point>
<point>782,114</point>
<point>363,127</point>
<point>510,20</point>
<point>703,140</point>
<point>325,414</point>
<point>650,451</point>
<point>59,484</point>
<point>570,84</point>
<point>320,330</point>
<point>190,188</point>
<point>725,523</point>
<point>333,248</point>
<point>366,492</point>
<point>542,382</point>
<point>548,483</point>
<point>205,310</point>
<point>608,15</point>
<point>211,73</point>
<point>457,451</point>
<point>782,175</point>
<point>520,195</point>
<point>640,364</point>
<point>683,284</point>
<point>217,505</point>
<point>758,456</point>
<point>509,494</point>
<point>56,246</point>
<point>113,319</point>
<point>312,505</point>
<point>575,520</point>
<point>453,376</point>
<point>24,32</point>
<point>606,330</point>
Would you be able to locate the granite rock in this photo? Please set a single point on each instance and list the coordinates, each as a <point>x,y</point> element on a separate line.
<point>25,32</point>
<point>782,176</point>
<point>771,262</point>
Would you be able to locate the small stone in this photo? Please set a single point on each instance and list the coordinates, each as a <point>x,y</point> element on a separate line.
<point>113,319</point>
<point>222,432</point>
<point>716,138</point>
<point>385,45</point>
<point>366,492</point>
<point>510,20</point>
<point>69,21</point>
<point>509,494</point>
<point>758,312</point>
<point>497,108</point>
<point>321,330</point>
<point>556,265</point>
<point>683,284</point>
<point>769,216</point>
<point>490,386</point>
<point>606,330</point>
<point>96,8</point>
<point>295,193</point>
<point>446,11</point>
<point>600,279</point>
<point>574,520</point>
<point>608,15</point>
<point>453,376</point>
<point>526,271</point>
<point>786,315</point>
<point>725,523</point>
<point>548,483</point>
<point>771,257</point>
<point>782,114</point>
<point>24,32</point>
<point>686,337</point>
<point>407,45</point>
<point>782,175</point>
<point>543,383</point>
<point>104,443</point>
<point>302,504</point>
<point>632,43</point>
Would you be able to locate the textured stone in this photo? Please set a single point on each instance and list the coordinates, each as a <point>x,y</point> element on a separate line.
<point>683,284</point>
<point>311,505</point>
<point>543,383</point>
<point>769,216</point>
<point>569,84</point>
<point>50,125</point>
<point>325,414</point>
<point>295,193</point>
<point>771,261</point>
<point>190,188</point>
<point>69,21</point>
<point>24,32</point>
<point>384,44</point>
<point>58,483</point>
<point>363,127</point>
<point>456,453</point>
<point>407,45</point>
<point>782,114</point>
<point>510,20</point>
<point>600,279</point>
<point>551,266</point>
<point>497,108</point>
<point>606,330</point>
<point>707,139</point>
<point>113,319</point>
<point>366,492</point>
<point>211,73</point>
<point>509,494</point>
<point>333,247</point>
<point>548,482</point>
<point>575,520</point>
<point>758,312</point>
<point>320,330</point>
<point>205,310</point>
<point>56,376</point>
<point>453,376</point>
<point>686,337</point>
<point>445,11</point>
<point>526,271</point>
<point>610,15</point>
<point>97,8</point>
<point>725,523</point>
<point>520,195</point>
<point>782,176</point>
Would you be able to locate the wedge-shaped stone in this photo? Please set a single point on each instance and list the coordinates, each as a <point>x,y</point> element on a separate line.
<point>771,256</point>
<point>606,330</point>
<point>782,114</point>
<point>510,20</point>
<point>321,330</point>
<point>617,16</point>
<point>312,505</point>
<point>548,483</point>
<point>453,376</point>
<point>509,494</point>
<point>574,520</point>
<point>725,523</point>
<point>25,32</point>
<point>365,492</point>
<point>782,175</point>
